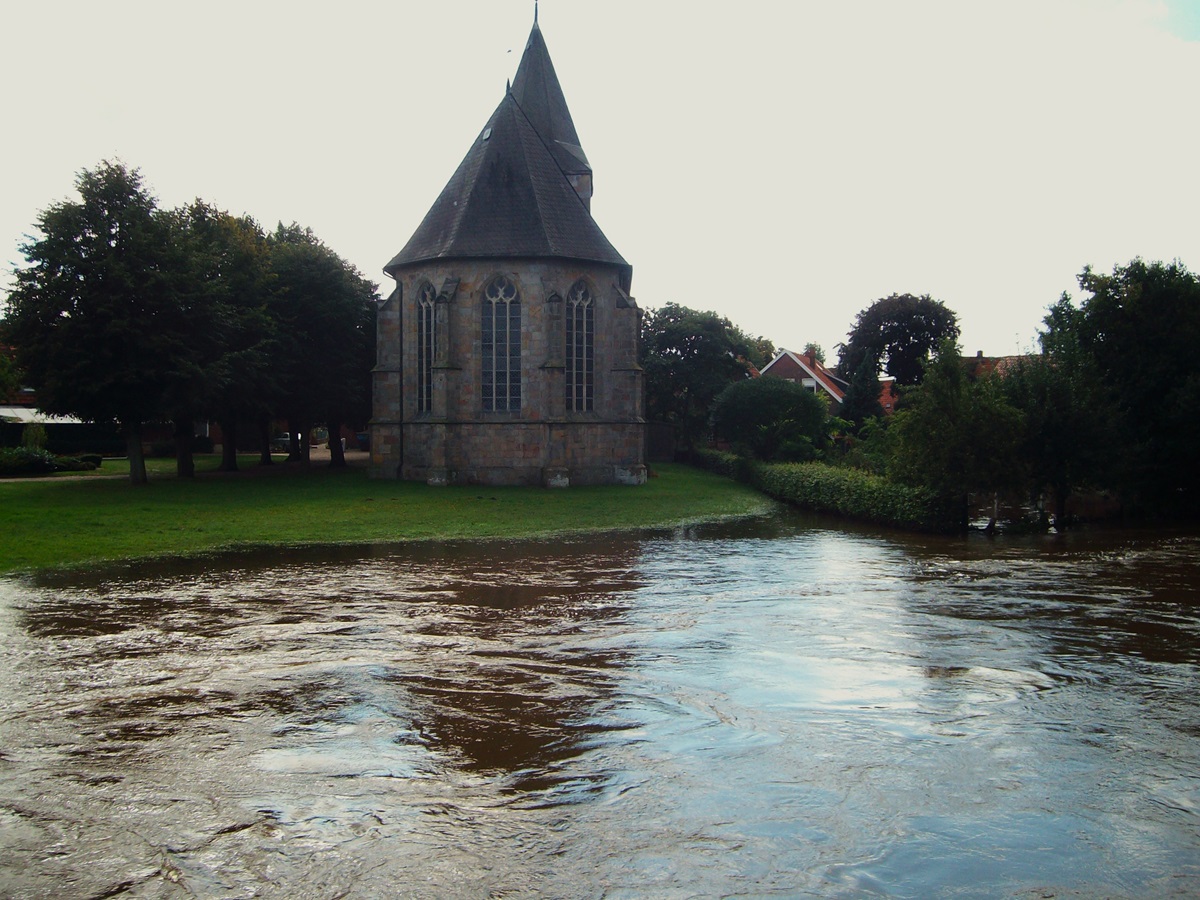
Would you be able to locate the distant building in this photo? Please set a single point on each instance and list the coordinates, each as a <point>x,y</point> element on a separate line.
<point>507,353</point>
<point>980,365</point>
<point>810,372</point>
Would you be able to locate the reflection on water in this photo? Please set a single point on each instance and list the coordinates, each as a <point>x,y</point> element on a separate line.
<point>776,708</point>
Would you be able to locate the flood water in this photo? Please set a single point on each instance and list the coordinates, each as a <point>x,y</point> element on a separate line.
<point>787,708</point>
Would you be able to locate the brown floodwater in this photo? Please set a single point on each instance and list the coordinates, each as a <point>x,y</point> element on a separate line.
<point>780,708</point>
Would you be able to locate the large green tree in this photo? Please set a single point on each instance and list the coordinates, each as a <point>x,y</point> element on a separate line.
<point>956,435</point>
<point>1066,441</point>
<point>230,274</point>
<point>1139,328</point>
<point>324,310</point>
<point>94,315</point>
<point>689,357</point>
<point>899,332</point>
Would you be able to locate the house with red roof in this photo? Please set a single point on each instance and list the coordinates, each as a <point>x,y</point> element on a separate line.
<point>809,372</point>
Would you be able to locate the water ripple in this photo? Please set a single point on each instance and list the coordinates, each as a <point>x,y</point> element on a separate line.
<point>773,708</point>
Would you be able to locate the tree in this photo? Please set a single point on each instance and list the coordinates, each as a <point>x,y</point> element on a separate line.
<point>816,351</point>
<point>1139,329</point>
<point>861,401</point>
<point>899,332</point>
<point>324,309</point>
<point>93,315</point>
<point>230,272</point>
<point>758,351</point>
<point>956,435</point>
<point>10,376</point>
<point>1066,439</point>
<point>689,357</point>
<point>772,419</point>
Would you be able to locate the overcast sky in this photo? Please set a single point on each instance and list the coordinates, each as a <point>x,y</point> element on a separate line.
<point>783,163</point>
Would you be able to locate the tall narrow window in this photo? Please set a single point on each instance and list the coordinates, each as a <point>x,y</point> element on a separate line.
<point>425,347</point>
<point>580,347</point>
<point>501,346</point>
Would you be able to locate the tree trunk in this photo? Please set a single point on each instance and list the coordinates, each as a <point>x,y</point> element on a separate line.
<point>295,442</point>
<point>264,443</point>
<point>229,447</point>
<point>337,456</point>
<point>304,435</point>
<point>133,447</point>
<point>185,463</point>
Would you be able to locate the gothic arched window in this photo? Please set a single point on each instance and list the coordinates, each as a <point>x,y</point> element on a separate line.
<point>500,346</point>
<point>580,334</point>
<point>426,297</point>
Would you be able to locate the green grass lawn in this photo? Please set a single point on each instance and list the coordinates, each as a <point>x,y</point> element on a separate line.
<point>71,522</point>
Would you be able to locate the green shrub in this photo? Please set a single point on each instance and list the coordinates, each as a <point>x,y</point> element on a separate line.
<point>846,492</point>
<point>72,464</point>
<point>771,419</point>
<point>25,461</point>
<point>16,461</point>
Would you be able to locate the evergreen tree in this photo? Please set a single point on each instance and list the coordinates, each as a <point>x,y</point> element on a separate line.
<point>862,397</point>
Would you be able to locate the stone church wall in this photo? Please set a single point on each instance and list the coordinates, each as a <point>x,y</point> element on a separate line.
<point>541,443</point>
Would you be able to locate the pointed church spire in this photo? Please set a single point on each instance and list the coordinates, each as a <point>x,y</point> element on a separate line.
<point>540,96</point>
<point>535,3</point>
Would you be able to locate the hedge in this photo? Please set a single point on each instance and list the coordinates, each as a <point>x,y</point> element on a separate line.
<point>15,461</point>
<point>846,492</point>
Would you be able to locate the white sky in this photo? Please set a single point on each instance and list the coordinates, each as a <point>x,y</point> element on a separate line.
<point>783,163</point>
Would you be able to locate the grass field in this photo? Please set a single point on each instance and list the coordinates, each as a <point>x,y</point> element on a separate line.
<point>71,522</point>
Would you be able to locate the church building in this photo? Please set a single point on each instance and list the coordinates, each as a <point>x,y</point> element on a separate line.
<point>507,353</point>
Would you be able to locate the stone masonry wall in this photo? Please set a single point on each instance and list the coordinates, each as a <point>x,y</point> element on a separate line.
<point>541,443</point>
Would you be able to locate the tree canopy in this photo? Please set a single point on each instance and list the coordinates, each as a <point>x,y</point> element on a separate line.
<point>129,313</point>
<point>1135,338</point>
<point>899,332</point>
<point>94,318</point>
<point>689,357</point>
<point>325,310</point>
<point>956,434</point>
<point>10,376</point>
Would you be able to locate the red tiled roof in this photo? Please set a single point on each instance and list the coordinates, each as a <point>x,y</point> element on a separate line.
<point>798,367</point>
<point>984,365</point>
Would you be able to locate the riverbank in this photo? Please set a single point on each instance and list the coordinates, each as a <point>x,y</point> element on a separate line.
<point>64,523</point>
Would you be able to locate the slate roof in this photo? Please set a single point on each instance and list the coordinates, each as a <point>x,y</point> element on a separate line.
<point>539,94</point>
<point>510,197</point>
